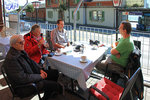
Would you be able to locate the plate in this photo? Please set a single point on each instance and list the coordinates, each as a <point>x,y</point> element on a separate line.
<point>83,61</point>
<point>94,48</point>
<point>58,54</point>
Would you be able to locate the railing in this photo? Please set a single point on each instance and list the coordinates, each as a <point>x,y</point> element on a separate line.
<point>105,36</point>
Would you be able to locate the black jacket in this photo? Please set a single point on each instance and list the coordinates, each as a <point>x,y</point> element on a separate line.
<point>20,68</point>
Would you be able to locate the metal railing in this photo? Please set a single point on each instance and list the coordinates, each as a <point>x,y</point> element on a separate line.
<point>105,36</point>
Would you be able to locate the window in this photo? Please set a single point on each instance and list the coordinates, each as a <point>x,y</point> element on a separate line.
<point>48,2</point>
<point>76,1</point>
<point>64,1</point>
<point>55,1</point>
<point>50,14</point>
<point>96,15</point>
<point>78,15</point>
<point>99,15</point>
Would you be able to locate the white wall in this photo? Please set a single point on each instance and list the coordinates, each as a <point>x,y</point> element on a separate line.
<point>109,19</point>
<point>81,20</point>
<point>55,15</point>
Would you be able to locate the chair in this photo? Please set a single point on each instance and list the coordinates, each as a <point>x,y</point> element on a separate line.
<point>48,39</point>
<point>107,90</point>
<point>32,85</point>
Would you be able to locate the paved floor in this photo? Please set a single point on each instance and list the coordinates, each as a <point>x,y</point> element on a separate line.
<point>5,93</point>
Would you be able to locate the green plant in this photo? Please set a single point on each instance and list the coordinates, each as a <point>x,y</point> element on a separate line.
<point>135,5</point>
<point>62,8</point>
<point>30,9</point>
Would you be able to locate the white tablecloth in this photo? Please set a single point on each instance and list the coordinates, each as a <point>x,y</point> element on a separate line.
<point>4,45</point>
<point>71,66</point>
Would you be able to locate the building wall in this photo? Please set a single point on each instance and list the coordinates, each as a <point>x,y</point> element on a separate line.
<point>54,15</point>
<point>109,17</point>
<point>41,13</point>
<point>81,14</point>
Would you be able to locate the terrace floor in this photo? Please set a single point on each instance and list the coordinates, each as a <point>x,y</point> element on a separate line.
<point>5,93</point>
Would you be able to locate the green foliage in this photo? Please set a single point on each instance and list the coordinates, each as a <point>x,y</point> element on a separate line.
<point>18,9</point>
<point>62,7</point>
<point>30,8</point>
<point>135,5</point>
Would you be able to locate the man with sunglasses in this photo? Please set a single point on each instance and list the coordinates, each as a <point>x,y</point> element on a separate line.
<point>22,70</point>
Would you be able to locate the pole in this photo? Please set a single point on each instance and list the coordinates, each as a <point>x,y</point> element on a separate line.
<point>74,14</point>
<point>69,10</point>
<point>116,23</point>
<point>18,27</point>
<point>36,15</point>
<point>4,13</point>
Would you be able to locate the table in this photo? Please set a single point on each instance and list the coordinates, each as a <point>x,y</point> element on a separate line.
<point>4,45</point>
<point>71,66</point>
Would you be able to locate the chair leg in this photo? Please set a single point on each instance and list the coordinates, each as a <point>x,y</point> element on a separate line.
<point>89,96</point>
<point>13,98</point>
<point>131,96</point>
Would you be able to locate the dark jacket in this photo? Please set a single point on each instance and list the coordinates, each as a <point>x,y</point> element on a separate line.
<point>134,64</point>
<point>20,68</point>
<point>32,49</point>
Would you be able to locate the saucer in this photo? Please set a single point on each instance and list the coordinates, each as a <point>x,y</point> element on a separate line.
<point>83,61</point>
<point>94,48</point>
<point>58,54</point>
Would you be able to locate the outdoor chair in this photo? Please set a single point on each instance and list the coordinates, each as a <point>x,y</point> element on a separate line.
<point>48,39</point>
<point>132,65</point>
<point>31,85</point>
<point>107,90</point>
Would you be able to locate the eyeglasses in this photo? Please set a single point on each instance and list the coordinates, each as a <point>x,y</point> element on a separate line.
<point>21,42</point>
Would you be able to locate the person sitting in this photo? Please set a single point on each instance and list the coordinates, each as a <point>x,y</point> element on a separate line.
<point>35,45</point>
<point>120,50</point>
<point>21,70</point>
<point>59,36</point>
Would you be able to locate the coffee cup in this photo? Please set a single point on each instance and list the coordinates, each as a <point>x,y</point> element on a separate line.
<point>83,58</point>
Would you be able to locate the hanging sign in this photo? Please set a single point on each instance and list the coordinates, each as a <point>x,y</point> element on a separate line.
<point>11,5</point>
<point>117,3</point>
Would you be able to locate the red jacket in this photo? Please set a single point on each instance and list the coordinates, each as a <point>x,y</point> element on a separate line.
<point>32,49</point>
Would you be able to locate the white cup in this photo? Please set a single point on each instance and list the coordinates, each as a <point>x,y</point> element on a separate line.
<point>83,58</point>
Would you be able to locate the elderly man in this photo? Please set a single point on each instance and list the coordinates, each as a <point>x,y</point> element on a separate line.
<point>120,50</point>
<point>22,70</point>
<point>59,36</point>
<point>35,45</point>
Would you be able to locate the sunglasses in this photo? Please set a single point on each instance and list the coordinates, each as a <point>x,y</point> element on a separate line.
<point>21,42</point>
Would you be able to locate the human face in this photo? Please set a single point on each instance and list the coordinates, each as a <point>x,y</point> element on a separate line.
<point>19,45</point>
<point>60,25</point>
<point>121,30</point>
<point>37,32</point>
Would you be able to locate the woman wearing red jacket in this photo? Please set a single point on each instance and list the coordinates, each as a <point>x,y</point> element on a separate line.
<point>35,45</point>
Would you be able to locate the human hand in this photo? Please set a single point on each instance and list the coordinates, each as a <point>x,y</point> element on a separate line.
<point>43,74</point>
<point>68,44</point>
<point>114,45</point>
<point>41,42</point>
<point>46,45</point>
<point>118,55</point>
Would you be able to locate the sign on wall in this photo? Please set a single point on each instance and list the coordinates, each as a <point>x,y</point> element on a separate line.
<point>117,3</point>
<point>11,5</point>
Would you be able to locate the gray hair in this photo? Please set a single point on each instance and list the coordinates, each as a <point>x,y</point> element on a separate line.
<point>14,39</point>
